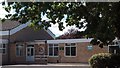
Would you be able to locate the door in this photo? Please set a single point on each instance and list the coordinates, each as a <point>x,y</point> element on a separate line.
<point>30,53</point>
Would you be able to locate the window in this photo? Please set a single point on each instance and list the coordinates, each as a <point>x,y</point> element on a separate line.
<point>53,49</point>
<point>19,50</point>
<point>70,49</point>
<point>3,48</point>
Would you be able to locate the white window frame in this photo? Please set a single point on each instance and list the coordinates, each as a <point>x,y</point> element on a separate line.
<point>53,50</point>
<point>3,48</point>
<point>70,49</point>
<point>19,50</point>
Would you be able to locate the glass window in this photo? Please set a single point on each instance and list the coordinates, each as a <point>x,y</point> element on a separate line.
<point>53,49</point>
<point>32,52</point>
<point>73,51</point>
<point>50,50</point>
<point>67,51</point>
<point>70,50</point>
<point>3,48</point>
<point>19,50</point>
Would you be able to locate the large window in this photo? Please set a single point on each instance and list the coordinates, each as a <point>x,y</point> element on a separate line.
<point>53,49</point>
<point>3,48</point>
<point>19,50</point>
<point>70,49</point>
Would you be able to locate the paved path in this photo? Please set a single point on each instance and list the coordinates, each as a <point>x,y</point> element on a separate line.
<point>49,66</point>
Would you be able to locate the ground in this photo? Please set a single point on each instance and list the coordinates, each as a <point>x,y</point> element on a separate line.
<point>60,65</point>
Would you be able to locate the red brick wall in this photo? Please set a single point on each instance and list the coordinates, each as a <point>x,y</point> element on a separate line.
<point>4,58</point>
<point>83,54</point>
<point>17,59</point>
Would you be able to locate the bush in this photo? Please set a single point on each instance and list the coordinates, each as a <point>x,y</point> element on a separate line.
<point>105,60</point>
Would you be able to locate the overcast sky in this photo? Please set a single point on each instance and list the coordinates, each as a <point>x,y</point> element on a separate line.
<point>53,28</point>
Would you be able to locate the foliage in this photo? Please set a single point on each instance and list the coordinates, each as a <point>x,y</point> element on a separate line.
<point>102,18</point>
<point>105,60</point>
<point>72,34</point>
<point>94,42</point>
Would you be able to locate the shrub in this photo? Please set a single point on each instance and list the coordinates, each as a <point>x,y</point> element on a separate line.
<point>105,60</point>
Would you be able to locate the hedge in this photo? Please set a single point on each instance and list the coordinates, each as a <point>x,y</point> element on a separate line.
<point>105,60</point>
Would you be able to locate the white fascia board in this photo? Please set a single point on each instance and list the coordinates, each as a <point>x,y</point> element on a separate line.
<point>51,34</point>
<point>19,28</point>
<point>68,41</point>
<point>4,33</point>
<point>3,41</point>
<point>12,31</point>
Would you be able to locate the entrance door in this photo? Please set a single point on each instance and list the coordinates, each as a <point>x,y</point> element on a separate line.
<point>30,53</point>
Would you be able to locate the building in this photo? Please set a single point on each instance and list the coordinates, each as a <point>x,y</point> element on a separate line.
<point>21,44</point>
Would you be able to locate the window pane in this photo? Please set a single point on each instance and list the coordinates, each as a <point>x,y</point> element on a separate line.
<point>4,45</point>
<point>72,44</point>
<point>67,44</point>
<point>50,51</point>
<point>55,51</point>
<point>19,50</point>
<point>67,51</point>
<point>28,51</point>
<point>73,51</point>
<point>50,45</point>
<point>3,51</point>
<point>32,51</point>
<point>30,45</point>
<point>1,46</point>
<point>55,45</point>
<point>28,54</point>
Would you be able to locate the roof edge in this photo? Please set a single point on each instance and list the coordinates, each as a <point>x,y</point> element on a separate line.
<point>20,27</point>
<point>69,40</point>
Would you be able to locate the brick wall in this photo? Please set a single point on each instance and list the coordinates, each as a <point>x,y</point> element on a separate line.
<point>17,59</point>
<point>83,54</point>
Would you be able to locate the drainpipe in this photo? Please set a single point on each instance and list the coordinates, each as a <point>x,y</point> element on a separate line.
<point>46,54</point>
<point>46,47</point>
<point>8,50</point>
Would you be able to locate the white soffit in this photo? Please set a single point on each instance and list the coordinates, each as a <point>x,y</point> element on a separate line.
<point>3,41</point>
<point>68,40</point>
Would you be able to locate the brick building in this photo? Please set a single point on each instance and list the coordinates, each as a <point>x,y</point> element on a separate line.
<point>22,44</point>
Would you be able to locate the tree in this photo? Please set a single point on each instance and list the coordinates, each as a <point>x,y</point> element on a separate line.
<point>102,18</point>
<point>72,34</point>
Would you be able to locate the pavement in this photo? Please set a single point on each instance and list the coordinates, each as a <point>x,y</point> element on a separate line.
<point>57,65</point>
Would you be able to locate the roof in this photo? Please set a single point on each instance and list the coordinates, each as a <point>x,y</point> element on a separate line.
<point>29,34</point>
<point>69,40</point>
<point>8,24</point>
<point>24,30</point>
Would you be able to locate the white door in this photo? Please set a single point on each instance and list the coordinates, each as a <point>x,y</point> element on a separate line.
<point>30,53</point>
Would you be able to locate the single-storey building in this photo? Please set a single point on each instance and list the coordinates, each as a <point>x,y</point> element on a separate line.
<point>21,44</point>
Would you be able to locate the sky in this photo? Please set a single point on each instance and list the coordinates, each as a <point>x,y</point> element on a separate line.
<point>54,28</point>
